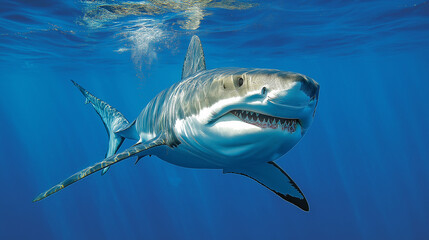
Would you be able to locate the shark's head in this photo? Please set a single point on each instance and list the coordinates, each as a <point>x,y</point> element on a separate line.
<point>234,116</point>
<point>251,114</point>
<point>263,97</point>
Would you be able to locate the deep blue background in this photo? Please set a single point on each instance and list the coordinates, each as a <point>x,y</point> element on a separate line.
<point>363,165</point>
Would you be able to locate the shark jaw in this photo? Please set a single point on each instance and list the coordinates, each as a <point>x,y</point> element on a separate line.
<point>266,121</point>
<point>242,130</point>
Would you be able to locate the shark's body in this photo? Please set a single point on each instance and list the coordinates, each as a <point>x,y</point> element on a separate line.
<point>235,119</point>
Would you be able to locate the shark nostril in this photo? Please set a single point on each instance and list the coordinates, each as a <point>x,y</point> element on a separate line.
<point>263,90</point>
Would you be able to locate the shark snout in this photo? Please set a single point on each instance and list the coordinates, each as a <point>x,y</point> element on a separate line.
<point>298,96</point>
<point>310,88</point>
<point>296,91</point>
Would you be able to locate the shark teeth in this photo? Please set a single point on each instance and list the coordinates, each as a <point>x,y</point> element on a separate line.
<point>266,121</point>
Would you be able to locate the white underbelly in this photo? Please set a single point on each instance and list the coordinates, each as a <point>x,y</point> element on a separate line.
<point>227,143</point>
<point>182,156</point>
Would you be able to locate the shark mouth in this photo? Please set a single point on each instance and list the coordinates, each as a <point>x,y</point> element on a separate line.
<point>265,121</point>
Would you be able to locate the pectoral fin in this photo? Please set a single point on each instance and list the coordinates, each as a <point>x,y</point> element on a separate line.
<point>135,150</point>
<point>274,178</point>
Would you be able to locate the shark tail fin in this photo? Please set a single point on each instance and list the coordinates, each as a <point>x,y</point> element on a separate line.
<point>112,119</point>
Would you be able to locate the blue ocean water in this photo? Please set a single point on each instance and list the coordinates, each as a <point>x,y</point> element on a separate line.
<point>363,165</point>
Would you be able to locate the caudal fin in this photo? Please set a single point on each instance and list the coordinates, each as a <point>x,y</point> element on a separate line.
<point>112,119</point>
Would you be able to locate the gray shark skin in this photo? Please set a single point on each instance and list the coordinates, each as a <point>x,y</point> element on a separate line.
<point>236,119</point>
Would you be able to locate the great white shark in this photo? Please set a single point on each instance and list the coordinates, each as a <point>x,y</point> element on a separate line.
<point>236,119</point>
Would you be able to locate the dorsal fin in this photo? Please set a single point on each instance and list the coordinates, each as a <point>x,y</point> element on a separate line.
<point>194,60</point>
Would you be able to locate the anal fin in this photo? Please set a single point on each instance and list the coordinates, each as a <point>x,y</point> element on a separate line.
<point>129,131</point>
<point>274,178</point>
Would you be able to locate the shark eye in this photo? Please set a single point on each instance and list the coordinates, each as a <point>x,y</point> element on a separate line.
<point>240,82</point>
